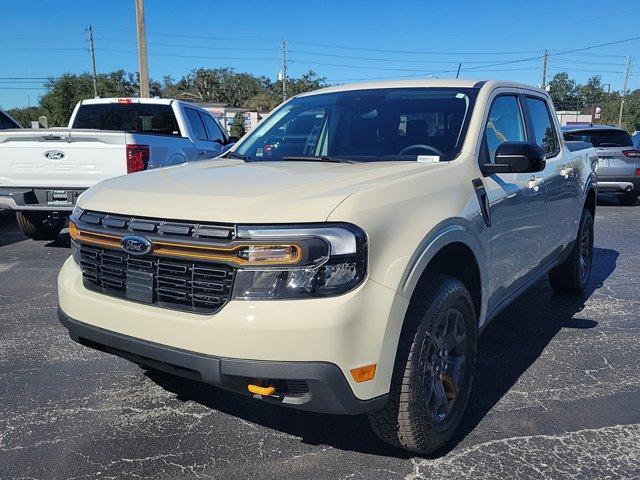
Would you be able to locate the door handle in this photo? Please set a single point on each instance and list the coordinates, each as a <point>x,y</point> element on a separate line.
<point>566,171</point>
<point>534,183</point>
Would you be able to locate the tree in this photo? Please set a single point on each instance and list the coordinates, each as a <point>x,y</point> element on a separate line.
<point>564,92</point>
<point>237,127</point>
<point>591,93</point>
<point>63,93</point>
<point>263,102</point>
<point>24,116</point>
<point>631,113</point>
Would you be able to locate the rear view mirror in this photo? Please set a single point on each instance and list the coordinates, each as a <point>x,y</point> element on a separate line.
<point>516,157</point>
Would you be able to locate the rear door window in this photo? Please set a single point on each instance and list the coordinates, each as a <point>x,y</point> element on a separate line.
<point>504,124</point>
<point>600,137</point>
<point>193,116</point>
<point>544,131</point>
<point>131,117</point>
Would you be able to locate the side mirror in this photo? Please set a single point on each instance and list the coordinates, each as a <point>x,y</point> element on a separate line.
<point>233,139</point>
<point>226,148</point>
<point>516,157</point>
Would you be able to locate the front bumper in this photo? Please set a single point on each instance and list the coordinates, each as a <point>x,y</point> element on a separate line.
<point>317,341</point>
<point>314,386</point>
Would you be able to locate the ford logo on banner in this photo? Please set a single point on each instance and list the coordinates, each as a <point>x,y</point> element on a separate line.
<point>54,155</point>
<point>135,245</point>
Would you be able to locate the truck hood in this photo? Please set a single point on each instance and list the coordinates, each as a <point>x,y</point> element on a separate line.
<point>232,191</point>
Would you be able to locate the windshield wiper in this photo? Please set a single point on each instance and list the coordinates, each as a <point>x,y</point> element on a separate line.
<point>237,155</point>
<point>312,158</point>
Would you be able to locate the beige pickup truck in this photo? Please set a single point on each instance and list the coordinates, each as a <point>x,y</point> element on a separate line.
<point>345,255</point>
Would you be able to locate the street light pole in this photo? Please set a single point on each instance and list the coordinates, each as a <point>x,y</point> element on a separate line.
<point>283,71</point>
<point>92,51</point>
<point>142,50</point>
<point>624,90</point>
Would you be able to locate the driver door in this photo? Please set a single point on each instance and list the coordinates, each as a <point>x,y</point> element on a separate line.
<point>517,203</point>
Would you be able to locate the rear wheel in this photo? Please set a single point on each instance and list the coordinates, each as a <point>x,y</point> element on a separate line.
<point>628,199</point>
<point>433,370</point>
<point>41,225</point>
<point>572,275</point>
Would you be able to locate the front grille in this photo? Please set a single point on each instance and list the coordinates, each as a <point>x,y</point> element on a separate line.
<point>183,285</point>
<point>113,223</point>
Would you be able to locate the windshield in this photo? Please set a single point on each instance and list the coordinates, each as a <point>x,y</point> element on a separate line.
<point>366,125</point>
<point>601,137</point>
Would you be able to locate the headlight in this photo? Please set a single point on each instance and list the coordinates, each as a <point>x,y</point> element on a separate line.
<point>75,247</point>
<point>335,262</point>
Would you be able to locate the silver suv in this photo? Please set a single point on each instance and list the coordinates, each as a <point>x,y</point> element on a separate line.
<point>618,165</point>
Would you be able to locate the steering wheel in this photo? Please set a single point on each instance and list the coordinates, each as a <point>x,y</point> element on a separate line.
<point>406,150</point>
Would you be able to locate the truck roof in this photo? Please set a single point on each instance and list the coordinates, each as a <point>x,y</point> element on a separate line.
<point>422,83</point>
<point>156,101</point>
<point>570,128</point>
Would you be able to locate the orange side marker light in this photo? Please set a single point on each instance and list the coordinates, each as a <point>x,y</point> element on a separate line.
<point>364,374</point>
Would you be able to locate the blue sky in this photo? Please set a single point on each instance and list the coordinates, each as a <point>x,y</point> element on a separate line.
<point>47,38</point>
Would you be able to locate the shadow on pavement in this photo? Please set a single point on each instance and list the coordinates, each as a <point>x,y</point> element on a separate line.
<point>9,231</point>
<point>508,346</point>
<point>62,241</point>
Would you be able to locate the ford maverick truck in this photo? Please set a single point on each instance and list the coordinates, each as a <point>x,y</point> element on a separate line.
<point>345,255</point>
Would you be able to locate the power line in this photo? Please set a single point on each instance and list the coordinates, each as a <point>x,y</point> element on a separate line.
<point>200,47</point>
<point>564,69</point>
<point>47,49</point>
<point>411,52</point>
<point>178,55</point>
<point>200,37</point>
<point>585,62</point>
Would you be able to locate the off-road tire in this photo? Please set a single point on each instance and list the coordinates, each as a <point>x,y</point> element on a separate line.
<point>40,225</point>
<point>570,276</point>
<point>628,199</point>
<point>405,422</point>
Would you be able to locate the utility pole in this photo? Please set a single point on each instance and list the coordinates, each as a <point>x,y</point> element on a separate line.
<point>545,60</point>
<point>283,69</point>
<point>142,50</point>
<point>624,90</point>
<point>92,51</point>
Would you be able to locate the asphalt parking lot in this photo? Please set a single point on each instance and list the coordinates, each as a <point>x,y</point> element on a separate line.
<point>557,392</point>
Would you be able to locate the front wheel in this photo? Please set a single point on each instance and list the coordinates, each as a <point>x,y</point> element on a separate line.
<point>41,225</point>
<point>628,199</point>
<point>434,368</point>
<point>572,275</point>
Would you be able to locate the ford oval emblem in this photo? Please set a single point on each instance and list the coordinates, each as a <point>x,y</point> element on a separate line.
<point>54,155</point>
<point>135,245</point>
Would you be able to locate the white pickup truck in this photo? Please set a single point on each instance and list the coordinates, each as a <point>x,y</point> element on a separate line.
<point>42,172</point>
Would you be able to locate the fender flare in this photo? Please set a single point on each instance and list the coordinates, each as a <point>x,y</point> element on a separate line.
<point>454,230</point>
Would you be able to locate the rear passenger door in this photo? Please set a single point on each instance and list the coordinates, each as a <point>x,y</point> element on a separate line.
<point>559,174</point>
<point>517,202</point>
<point>205,147</point>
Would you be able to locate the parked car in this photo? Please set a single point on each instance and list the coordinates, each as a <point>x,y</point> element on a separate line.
<point>7,122</point>
<point>618,165</point>
<point>345,255</point>
<point>636,139</point>
<point>43,171</point>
